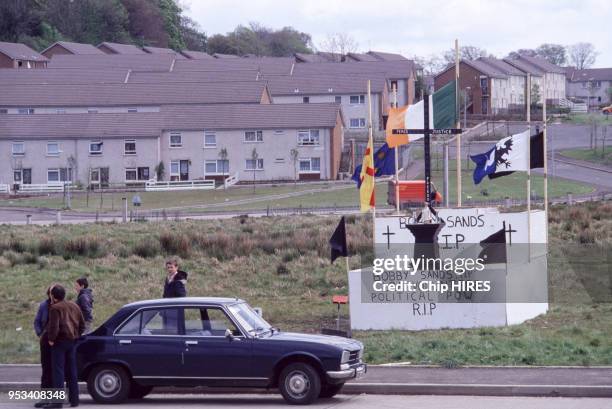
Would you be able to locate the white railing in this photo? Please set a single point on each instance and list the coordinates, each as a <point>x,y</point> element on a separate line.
<point>229,181</point>
<point>580,107</point>
<point>4,188</point>
<point>53,187</point>
<point>155,186</point>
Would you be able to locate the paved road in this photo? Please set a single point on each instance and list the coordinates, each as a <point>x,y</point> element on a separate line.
<point>348,402</point>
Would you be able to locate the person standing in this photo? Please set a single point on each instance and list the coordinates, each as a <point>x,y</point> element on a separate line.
<point>174,285</point>
<point>65,326</point>
<point>85,301</point>
<point>40,324</point>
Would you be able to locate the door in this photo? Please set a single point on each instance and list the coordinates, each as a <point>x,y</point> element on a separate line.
<point>184,170</point>
<point>150,344</point>
<point>27,176</point>
<point>210,355</point>
<point>104,177</point>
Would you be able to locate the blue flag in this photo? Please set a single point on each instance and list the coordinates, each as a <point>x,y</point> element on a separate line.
<point>485,164</point>
<point>384,163</point>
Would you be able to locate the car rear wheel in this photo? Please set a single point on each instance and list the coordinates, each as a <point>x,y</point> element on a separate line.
<point>108,384</point>
<point>328,391</point>
<point>138,391</point>
<point>300,384</point>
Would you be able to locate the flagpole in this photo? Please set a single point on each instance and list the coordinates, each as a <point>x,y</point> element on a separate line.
<point>545,151</point>
<point>371,142</point>
<point>529,164</point>
<point>458,150</point>
<point>397,203</point>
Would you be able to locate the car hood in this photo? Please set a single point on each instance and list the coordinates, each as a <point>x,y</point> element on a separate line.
<point>340,342</point>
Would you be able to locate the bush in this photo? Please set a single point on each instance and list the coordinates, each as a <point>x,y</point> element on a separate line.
<point>172,243</point>
<point>47,246</point>
<point>85,246</point>
<point>146,248</point>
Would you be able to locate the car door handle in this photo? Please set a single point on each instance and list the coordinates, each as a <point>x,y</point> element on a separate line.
<point>191,342</point>
<point>125,341</point>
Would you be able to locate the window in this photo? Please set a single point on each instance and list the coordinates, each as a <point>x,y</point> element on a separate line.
<point>132,110</point>
<point>152,322</point>
<point>59,175</point>
<point>18,148</point>
<point>131,175</point>
<point>25,111</point>
<point>308,137</point>
<point>175,169</point>
<point>253,136</point>
<point>92,110</point>
<point>60,110</point>
<point>338,99</point>
<point>310,165</point>
<point>129,147</point>
<point>143,173</point>
<point>208,322</point>
<point>210,140</point>
<point>357,123</point>
<point>254,164</point>
<point>3,111</point>
<point>306,100</point>
<point>357,99</point>
<point>53,148</point>
<point>95,148</point>
<point>279,160</point>
<point>23,176</point>
<point>393,85</point>
<point>279,132</point>
<point>216,167</point>
<point>176,140</point>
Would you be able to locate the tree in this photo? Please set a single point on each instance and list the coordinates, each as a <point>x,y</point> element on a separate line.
<point>194,39</point>
<point>582,55</point>
<point>294,157</point>
<point>555,53</point>
<point>522,52</point>
<point>339,44</point>
<point>431,65</point>
<point>160,171</point>
<point>254,158</point>
<point>145,23</point>
<point>467,52</point>
<point>223,155</point>
<point>535,94</point>
<point>20,19</point>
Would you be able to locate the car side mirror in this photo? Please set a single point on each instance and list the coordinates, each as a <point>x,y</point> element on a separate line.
<point>229,335</point>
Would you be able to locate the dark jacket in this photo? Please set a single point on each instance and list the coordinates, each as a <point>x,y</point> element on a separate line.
<point>176,287</point>
<point>42,317</point>
<point>85,302</point>
<point>66,322</point>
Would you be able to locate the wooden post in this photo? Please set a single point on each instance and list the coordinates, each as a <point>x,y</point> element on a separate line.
<point>458,150</point>
<point>529,165</point>
<point>397,198</point>
<point>371,140</point>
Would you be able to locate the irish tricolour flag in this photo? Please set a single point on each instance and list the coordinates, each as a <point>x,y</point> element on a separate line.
<point>442,114</point>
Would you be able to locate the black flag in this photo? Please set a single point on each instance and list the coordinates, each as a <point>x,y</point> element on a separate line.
<point>337,242</point>
<point>494,247</point>
<point>426,239</point>
<point>536,160</point>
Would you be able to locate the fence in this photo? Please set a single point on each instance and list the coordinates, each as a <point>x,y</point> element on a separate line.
<point>42,188</point>
<point>155,186</point>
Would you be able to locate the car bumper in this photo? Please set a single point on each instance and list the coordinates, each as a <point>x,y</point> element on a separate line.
<point>351,373</point>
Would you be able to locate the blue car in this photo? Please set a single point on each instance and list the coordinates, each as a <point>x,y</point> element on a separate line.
<point>220,342</point>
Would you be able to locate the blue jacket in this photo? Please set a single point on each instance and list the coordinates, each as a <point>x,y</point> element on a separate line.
<point>42,317</point>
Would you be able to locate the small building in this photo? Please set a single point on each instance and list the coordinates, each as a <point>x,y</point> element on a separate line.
<point>17,55</point>
<point>66,47</point>
<point>593,85</point>
<point>544,75</point>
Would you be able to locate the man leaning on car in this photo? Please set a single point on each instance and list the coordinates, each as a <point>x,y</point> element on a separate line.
<point>65,326</point>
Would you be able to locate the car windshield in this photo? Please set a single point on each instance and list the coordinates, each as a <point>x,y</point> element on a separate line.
<point>249,319</point>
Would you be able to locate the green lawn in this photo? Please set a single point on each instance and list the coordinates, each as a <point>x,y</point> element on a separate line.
<point>598,156</point>
<point>585,119</point>
<point>282,265</point>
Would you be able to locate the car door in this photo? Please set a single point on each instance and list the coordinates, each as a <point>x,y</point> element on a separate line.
<point>211,356</point>
<point>150,343</point>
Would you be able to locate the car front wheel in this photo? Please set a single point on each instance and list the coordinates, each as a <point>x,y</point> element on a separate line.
<point>108,384</point>
<point>328,391</point>
<point>300,384</point>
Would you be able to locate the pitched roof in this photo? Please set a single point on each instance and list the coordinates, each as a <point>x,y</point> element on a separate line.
<point>192,76</point>
<point>323,84</point>
<point>265,65</point>
<point>93,95</point>
<point>596,74</point>
<point>525,67</point>
<point>303,57</point>
<point>76,48</point>
<point>157,62</point>
<point>543,64</point>
<point>122,48</point>
<point>197,55</point>
<point>382,56</point>
<point>18,51</point>
<point>250,116</point>
<point>361,57</point>
<point>390,69</point>
<point>502,66</point>
<point>161,50</point>
<point>120,125</point>
<point>66,76</point>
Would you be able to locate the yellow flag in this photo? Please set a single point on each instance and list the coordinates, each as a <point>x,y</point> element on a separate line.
<point>366,191</point>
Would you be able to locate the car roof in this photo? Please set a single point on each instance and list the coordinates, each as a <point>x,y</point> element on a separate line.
<point>183,301</point>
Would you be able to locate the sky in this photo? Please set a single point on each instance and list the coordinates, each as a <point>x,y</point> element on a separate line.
<point>424,27</point>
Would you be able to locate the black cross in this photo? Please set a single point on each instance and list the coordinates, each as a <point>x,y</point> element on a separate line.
<point>509,231</point>
<point>427,132</point>
<point>388,234</point>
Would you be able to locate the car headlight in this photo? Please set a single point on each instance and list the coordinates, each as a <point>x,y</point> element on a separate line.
<point>346,355</point>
